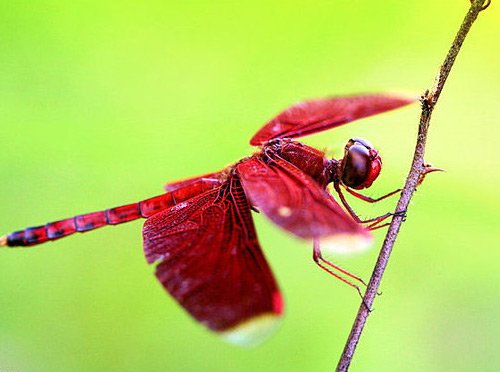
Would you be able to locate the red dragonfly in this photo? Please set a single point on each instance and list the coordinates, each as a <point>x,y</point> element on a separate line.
<point>200,233</point>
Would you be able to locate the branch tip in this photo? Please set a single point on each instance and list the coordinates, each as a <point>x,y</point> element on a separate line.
<point>485,5</point>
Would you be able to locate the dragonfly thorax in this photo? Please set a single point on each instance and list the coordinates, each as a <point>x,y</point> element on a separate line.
<point>309,160</point>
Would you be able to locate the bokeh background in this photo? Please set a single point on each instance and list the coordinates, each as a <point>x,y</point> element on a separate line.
<point>103,102</point>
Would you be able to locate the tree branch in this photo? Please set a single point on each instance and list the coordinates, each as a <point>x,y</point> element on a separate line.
<point>417,171</point>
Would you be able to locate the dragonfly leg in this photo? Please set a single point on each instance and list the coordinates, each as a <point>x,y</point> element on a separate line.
<point>428,168</point>
<point>323,264</point>
<point>369,199</point>
<point>318,257</point>
<point>353,214</point>
<point>375,224</point>
<point>376,227</point>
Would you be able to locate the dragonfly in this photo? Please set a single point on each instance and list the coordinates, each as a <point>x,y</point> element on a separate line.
<point>200,236</point>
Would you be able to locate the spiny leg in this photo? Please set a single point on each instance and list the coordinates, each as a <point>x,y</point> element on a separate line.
<point>347,282</point>
<point>369,199</point>
<point>317,257</point>
<point>340,278</point>
<point>428,168</point>
<point>351,211</point>
<point>320,261</point>
<point>375,225</point>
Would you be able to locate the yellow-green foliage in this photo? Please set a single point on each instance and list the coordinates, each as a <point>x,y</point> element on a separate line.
<point>101,102</point>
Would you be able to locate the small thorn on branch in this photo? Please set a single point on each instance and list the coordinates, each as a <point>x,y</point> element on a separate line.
<point>428,168</point>
<point>427,100</point>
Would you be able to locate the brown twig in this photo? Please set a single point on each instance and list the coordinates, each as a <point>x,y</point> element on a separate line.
<point>418,169</point>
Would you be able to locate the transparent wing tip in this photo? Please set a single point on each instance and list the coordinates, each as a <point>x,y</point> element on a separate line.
<point>345,243</point>
<point>253,331</point>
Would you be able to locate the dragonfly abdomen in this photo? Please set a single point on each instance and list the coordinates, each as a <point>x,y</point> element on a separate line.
<point>114,216</point>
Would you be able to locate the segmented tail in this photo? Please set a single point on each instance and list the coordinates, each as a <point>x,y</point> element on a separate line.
<point>114,216</point>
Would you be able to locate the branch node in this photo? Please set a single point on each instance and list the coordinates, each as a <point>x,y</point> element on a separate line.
<point>427,101</point>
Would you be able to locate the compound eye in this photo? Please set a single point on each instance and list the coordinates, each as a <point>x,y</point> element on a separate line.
<point>357,166</point>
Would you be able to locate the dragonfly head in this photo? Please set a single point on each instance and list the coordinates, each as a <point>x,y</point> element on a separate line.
<point>361,164</point>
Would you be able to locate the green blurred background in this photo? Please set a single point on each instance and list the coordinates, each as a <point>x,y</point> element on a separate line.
<point>103,102</point>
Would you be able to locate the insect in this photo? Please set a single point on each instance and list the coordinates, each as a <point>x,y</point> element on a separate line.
<point>200,233</point>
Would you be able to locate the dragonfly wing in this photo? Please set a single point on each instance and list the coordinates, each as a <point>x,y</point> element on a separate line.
<point>317,115</point>
<point>297,203</point>
<point>209,259</point>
